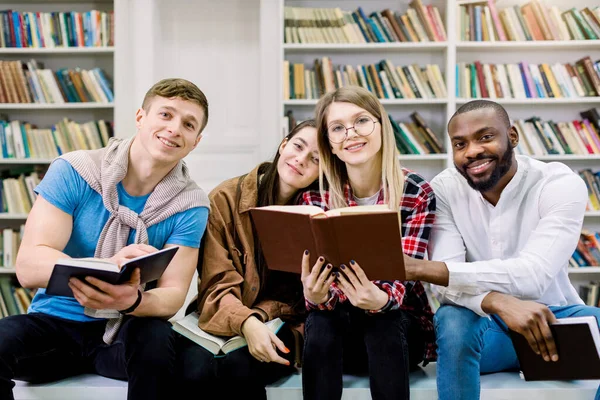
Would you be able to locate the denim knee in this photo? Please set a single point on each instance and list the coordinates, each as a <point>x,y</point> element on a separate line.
<point>456,329</point>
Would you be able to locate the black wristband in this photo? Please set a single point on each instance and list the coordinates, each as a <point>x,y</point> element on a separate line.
<point>134,306</point>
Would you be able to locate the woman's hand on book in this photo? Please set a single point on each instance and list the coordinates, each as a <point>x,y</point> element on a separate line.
<point>316,282</point>
<point>100,295</point>
<point>361,292</point>
<point>262,343</point>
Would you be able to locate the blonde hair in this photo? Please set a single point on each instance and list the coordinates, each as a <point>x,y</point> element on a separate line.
<point>334,170</point>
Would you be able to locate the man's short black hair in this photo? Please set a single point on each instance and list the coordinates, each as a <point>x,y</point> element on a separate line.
<point>480,105</point>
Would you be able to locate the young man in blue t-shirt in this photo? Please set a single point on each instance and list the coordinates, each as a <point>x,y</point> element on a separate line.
<point>127,199</point>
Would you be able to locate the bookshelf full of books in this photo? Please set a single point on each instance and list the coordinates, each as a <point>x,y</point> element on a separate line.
<point>395,49</point>
<point>56,96</point>
<point>423,59</point>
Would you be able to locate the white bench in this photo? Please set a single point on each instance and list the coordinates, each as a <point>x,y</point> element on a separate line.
<point>500,386</point>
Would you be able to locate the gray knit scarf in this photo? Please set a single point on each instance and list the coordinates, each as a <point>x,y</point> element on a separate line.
<point>103,169</point>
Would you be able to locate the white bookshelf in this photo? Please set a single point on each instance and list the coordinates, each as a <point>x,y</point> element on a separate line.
<point>446,54</point>
<point>6,270</point>
<point>57,51</point>
<point>46,115</point>
<point>584,270</point>
<point>56,106</point>
<point>529,45</point>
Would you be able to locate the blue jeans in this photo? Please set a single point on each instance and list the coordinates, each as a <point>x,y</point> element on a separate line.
<point>470,345</point>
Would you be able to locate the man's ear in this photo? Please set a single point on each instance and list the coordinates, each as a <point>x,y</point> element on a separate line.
<point>513,136</point>
<point>197,140</point>
<point>139,116</point>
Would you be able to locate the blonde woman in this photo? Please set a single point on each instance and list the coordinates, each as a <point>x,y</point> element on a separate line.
<point>356,325</point>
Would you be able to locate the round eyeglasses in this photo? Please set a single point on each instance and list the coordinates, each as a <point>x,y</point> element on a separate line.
<point>363,126</point>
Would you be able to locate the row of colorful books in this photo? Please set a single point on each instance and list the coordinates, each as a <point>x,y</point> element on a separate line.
<point>14,300</point>
<point>413,136</point>
<point>384,79</point>
<point>420,23</point>
<point>524,80</point>
<point>18,194</point>
<point>30,82</point>
<point>578,137</point>
<point>416,137</point>
<point>592,181</point>
<point>587,253</point>
<point>22,140</point>
<point>482,21</point>
<point>10,240</point>
<point>57,29</point>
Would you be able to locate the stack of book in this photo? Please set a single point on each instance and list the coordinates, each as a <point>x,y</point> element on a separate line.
<point>30,82</point>
<point>17,193</point>
<point>480,20</point>
<point>420,23</point>
<point>592,181</point>
<point>57,29</point>
<point>14,300</point>
<point>524,80</point>
<point>22,140</point>
<point>416,137</point>
<point>383,79</point>
<point>10,240</point>
<point>579,137</point>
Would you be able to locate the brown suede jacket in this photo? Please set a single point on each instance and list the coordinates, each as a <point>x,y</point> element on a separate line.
<point>229,281</point>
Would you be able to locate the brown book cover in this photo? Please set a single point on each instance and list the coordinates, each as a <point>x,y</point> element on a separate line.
<point>591,72</point>
<point>378,87</point>
<point>578,343</point>
<point>415,116</point>
<point>390,16</point>
<point>78,84</point>
<point>425,20</point>
<point>370,235</point>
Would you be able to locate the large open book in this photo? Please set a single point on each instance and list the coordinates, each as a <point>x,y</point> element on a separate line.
<point>370,235</point>
<point>188,327</point>
<point>578,343</point>
<point>151,268</point>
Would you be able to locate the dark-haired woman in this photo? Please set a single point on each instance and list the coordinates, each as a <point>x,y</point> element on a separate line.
<point>237,293</point>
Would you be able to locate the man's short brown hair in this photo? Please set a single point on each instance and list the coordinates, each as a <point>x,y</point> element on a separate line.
<point>180,88</point>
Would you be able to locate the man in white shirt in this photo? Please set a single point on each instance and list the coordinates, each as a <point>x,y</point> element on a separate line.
<point>505,229</point>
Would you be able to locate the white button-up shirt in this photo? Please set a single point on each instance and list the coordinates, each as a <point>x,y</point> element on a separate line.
<point>519,247</point>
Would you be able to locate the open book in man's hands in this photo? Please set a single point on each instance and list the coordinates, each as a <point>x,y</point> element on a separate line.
<point>578,343</point>
<point>188,327</point>
<point>370,235</point>
<point>151,268</point>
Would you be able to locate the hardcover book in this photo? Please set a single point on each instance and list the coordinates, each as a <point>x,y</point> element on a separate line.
<point>370,235</point>
<point>151,268</point>
<point>578,344</point>
<point>218,345</point>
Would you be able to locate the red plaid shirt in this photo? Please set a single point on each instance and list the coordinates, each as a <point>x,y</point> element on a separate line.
<point>418,214</point>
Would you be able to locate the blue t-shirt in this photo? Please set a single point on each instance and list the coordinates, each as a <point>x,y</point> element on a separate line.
<point>64,188</point>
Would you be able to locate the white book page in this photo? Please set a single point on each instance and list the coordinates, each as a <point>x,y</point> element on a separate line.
<point>92,263</point>
<point>190,322</point>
